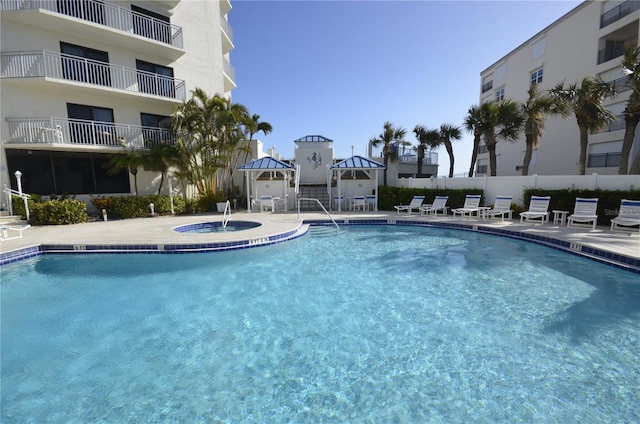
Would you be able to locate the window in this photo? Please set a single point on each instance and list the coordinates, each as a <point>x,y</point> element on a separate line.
<point>604,160</point>
<point>83,64</point>
<point>500,94</point>
<point>482,149</point>
<point>91,125</point>
<point>487,86</point>
<point>157,129</point>
<point>536,77</point>
<point>155,79</point>
<point>47,172</point>
<point>151,25</point>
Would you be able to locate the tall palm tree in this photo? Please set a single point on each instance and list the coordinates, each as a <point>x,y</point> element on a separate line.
<point>472,124</point>
<point>387,139</point>
<point>426,138</point>
<point>587,101</point>
<point>449,132</point>
<point>536,109</point>
<point>631,66</point>
<point>500,120</point>
<point>252,126</point>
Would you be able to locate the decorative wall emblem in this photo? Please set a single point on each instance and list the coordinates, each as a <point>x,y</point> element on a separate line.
<point>315,159</point>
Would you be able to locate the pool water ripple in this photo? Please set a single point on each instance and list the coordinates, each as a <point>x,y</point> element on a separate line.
<point>377,324</point>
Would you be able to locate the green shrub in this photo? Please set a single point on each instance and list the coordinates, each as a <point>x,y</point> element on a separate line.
<point>58,212</point>
<point>138,207</point>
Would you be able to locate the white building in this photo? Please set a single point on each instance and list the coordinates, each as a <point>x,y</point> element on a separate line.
<point>587,41</point>
<point>80,79</point>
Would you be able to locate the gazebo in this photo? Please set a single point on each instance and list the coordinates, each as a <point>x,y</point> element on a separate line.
<point>357,163</point>
<point>255,168</point>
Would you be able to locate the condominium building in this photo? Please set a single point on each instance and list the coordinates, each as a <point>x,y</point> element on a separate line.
<point>83,80</point>
<point>587,41</point>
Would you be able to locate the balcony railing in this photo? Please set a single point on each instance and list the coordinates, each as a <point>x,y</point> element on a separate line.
<point>228,69</point>
<point>72,68</point>
<point>226,27</point>
<point>618,12</point>
<point>80,132</point>
<point>621,84</point>
<point>487,86</point>
<point>616,50</point>
<point>430,158</point>
<point>618,124</point>
<point>105,14</point>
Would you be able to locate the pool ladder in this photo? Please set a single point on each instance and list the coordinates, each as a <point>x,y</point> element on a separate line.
<point>321,205</point>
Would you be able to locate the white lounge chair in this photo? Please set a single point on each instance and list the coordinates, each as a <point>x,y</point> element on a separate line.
<point>414,205</point>
<point>538,209</point>
<point>6,235</point>
<point>471,205</point>
<point>439,204</point>
<point>338,202</point>
<point>501,208</point>
<point>628,216</point>
<point>267,203</point>
<point>584,212</point>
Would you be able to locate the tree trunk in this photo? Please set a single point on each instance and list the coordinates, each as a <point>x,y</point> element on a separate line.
<point>584,141</point>
<point>490,142</point>
<point>631,122</point>
<point>449,148</point>
<point>386,161</point>
<point>420,159</point>
<point>474,154</point>
<point>528,153</point>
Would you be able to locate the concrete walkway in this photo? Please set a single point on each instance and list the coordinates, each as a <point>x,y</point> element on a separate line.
<point>158,230</point>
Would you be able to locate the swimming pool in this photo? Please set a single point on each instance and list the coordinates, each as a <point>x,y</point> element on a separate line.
<point>376,324</point>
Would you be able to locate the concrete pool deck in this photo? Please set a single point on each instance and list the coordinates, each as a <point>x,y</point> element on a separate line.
<point>158,231</point>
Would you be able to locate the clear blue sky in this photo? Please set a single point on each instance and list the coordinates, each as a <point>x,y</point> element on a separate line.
<point>342,68</point>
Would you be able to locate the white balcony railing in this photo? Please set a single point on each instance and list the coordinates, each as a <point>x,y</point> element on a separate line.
<point>81,132</point>
<point>228,69</point>
<point>105,14</point>
<point>226,27</point>
<point>72,68</point>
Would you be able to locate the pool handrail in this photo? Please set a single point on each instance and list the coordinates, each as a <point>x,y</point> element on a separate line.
<point>321,205</point>
<point>226,215</point>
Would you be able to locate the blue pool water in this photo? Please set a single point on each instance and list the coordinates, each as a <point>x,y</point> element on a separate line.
<point>375,325</point>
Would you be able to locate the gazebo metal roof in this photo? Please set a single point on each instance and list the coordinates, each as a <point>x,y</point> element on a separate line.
<point>314,138</point>
<point>266,163</point>
<point>358,162</point>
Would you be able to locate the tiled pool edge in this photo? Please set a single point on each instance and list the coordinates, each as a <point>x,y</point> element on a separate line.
<point>606,257</point>
<point>166,248</point>
<point>599,255</point>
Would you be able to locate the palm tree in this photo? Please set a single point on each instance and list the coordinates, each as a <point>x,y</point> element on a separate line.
<point>130,160</point>
<point>387,139</point>
<point>631,66</point>
<point>500,120</point>
<point>426,138</point>
<point>449,132</point>
<point>252,126</point>
<point>537,108</point>
<point>472,124</point>
<point>586,99</point>
<point>159,159</point>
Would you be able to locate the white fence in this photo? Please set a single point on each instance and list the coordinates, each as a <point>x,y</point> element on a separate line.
<point>515,186</point>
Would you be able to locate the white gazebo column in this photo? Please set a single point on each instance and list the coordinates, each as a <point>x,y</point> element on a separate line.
<point>376,191</point>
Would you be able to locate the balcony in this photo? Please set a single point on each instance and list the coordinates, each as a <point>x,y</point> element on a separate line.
<point>227,35</point>
<point>618,12</point>
<point>89,73</point>
<point>618,124</point>
<point>430,158</point>
<point>487,86</point>
<point>78,133</point>
<point>229,75</point>
<point>95,20</point>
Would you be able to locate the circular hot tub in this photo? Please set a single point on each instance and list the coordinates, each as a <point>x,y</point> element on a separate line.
<point>216,227</point>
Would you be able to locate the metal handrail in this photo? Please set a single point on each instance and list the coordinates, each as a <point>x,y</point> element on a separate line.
<point>25,197</point>
<point>321,205</point>
<point>226,215</point>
